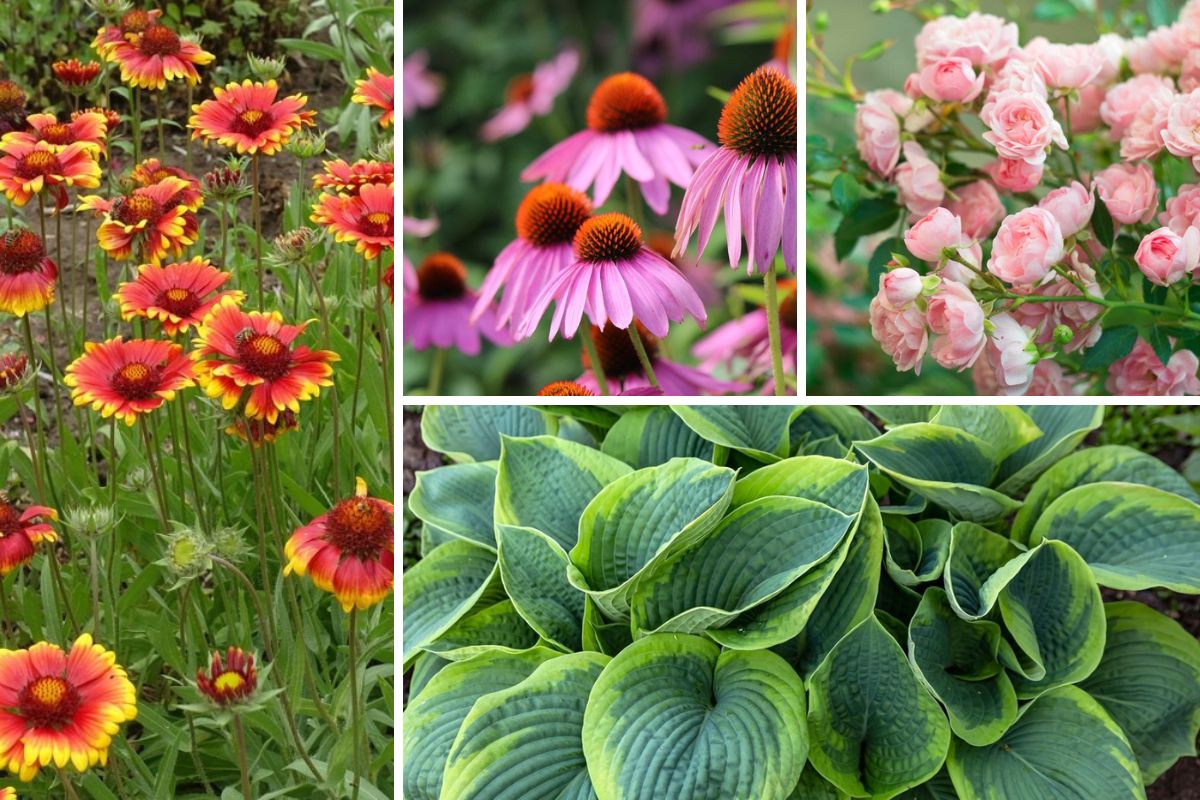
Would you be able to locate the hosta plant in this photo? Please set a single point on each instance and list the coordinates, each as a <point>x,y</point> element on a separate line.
<point>775,603</point>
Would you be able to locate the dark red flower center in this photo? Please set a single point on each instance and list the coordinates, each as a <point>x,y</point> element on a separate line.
<point>10,519</point>
<point>57,133</point>
<point>551,213</point>
<point>565,389</point>
<point>252,122</point>
<point>21,251</point>
<point>159,40</point>
<point>520,88</point>
<point>378,223</point>
<point>615,349</point>
<point>441,276</point>
<point>48,701</point>
<point>263,354</point>
<point>37,163</point>
<point>179,301</point>
<point>137,208</point>
<point>136,381</point>
<point>760,116</point>
<point>787,304</point>
<point>135,21</point>
<point>608,237</point>
<point>12,99</point>
<point>12,370</point>
<point>360,527</point>
<point>625,102</point>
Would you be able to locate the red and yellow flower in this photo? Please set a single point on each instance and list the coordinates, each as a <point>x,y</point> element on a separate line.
<point>248,118</point>
<point>75,74</point>
<point>13,369</point>
<point>111,118</point>
<point>131,25</point>
<point>366,217</point>
<point>152,171</point>
<point>21,530</point>
<point>341,176</point>
<point>236,351</point>
<point>59,708</point>
<point>8,793</point>
<point>258,431</point>
<point>12,107</point>
<point>156,55</point>
<point>88,129</point>
<point>27,275</point>
<point>154,219</point>
<point>228,681</point>
<point>127,378</point>
<point>377,90</point>
<point>28,168</point>
<point>176,295</point>
<point>348,551</point>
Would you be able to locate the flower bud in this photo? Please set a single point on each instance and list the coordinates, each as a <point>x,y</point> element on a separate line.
<point>265,69</point>
<point>306,144</point>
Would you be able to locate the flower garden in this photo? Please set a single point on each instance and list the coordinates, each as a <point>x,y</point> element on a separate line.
<point>196,331</point>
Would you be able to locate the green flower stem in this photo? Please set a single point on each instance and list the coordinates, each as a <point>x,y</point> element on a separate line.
<point>258,260</point>
<point>436,367</point>
<point>355,707</point>
<point>773,332</point>
<point>94,581</point>
<point>68,788</point>
<point>38,413</point>
<point>594,360</point>
<point>385,361</point>
<point>239,736</point>
<point>158,113</point>
<point>647,367</point>
<point>323,313</point>
<point>155,474</point>
<point>135,122</point>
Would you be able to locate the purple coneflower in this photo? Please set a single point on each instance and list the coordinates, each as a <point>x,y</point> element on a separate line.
<point>437,307</point>
<point>624,373</point>
<point>421,88</point>
<point>531,95</point>
<point>744,343</point>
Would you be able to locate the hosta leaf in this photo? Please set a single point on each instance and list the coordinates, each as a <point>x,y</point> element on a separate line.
<point>916,552</point>
<point>812,786</point>
<point>758,431</point>
<point>1063,746</point>
<point>732,722</point>
<point>1053,612</point>
<point>1004,429</point>
<point>433,717</point>
<point>753,554</point>
<point>948,466</point>
<point>903,415</point>
<point>1096,465</point>
<point>1133,537</point>
<point>1149,681</point>
<point>641,519</point>
<point>832,481</point>
<point>842,423</point>
<point>956,660</point>
<point>441,588</point>
<point>545,483</point>
<point>497,626</point>
<point>601,635</point>
<point>472,433</point>
<point>1063,429</point>
<point>939,787</point>
<point>649,436</point>
<point>980,563</point>
<point>424,667</point>
<point>534,570</point>
<point>875,729</point>
<point>457,499</point>
<point>524,742</point>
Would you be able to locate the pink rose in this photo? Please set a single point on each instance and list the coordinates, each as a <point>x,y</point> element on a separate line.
<point>1112,49</point>
<point>1080,317</point>
<point>877,126</point>
<point>1144,136</point>
<point>1071,205</point>
<point>1027,245</point>
<point>1065,66</point>
<point>919,180</point>
<point>1019,75</point>
<point>1162,50</point>
<point>1164,256</point>
<point>900,332</point>
<point>1189,72</point>
<point>932,233</point>
<point>979,38</point>
<point>1085,112</point>
<point>900,286</point>
<point>1051,380</point>
<point>1122,101</point>
<point>1183,125</point>
<point>1143,373</point>
<point>1021,126</point>
<point>950,80</point>
<point>955,270</point>
<point>1183,210</point>
<point>1129,192</point>
<point>956,316</point>
<point>1014,175</point>
<point>979,207</point>
<point>1011,352</point>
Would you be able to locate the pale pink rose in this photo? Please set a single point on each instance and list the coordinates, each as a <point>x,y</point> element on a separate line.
<point>1129,191</point>
<point>950,80</point>
<point>1189,22</point>
<point>877,126</point>
<point>957,271</point>
<point>1183,125</point>
<point>1014,175</point>
<point>1142,373</point>
<point>1011,352</point>
<point>1165,257</point>
<point>932,233</point>
<point>979,38</point>
<point>978,206</point>
<point>1189,71</point>
<point>1144,136</point>
<point>1051,380</point>
<point>900,332</point>
<point>919,180</point>
<point>1122,101</point>
<point>1081,317</point>
<point>1112,49</point>
<point>1021,126</point>
<point>957,318</point>
<point>1162,50</point>
<point>1027,245</point>
<point>912,85</point>
<point>1065,66</point>
<point>1085,111</point>
<point>900,286</point>
<point>1071,205</point>
<point>1182,210</point>
<point>1019,74</point>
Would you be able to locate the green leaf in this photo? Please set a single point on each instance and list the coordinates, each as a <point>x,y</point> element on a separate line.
<point>1063,746</point>
<point>812,786</point>
<point>869,215</point>
<point>1149,681</point>
<point>472,433</point>
<point>1003,429</point>
<point>733,723</point>
<point>842,422</point>
<point>524,743</point>
<point>980,563</point>
<point>875,729</point>
<point>493,627</point>
<point>1133,537</point>
<point>534,570</point>
<point>1063,430</point>
<point>545,483</point>
<point>758,431</point>
<point>939,787</point>
<point>832,481</point>
<point>845,191</point>
<point>1160,342</point>
<point>1114,344</point>
<point>903,415</point>
<point>457,499</point>
<point>441,588</point>
<point>649,436</point>
<point>1102,223</point>
<point>600,634</point>
<point>916,553</point>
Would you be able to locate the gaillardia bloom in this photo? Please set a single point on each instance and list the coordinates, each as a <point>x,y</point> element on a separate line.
<point>236,350</point>
<point>341,176</point>
<point>20,530</point>
<point>152,171</point>
<point>127,378</point>
<point>623,370</point>
<point>89,129</point>
<point>438,308</point>
<point>231,680</point>
<point>627,132</point>
<point>530,96</point>
<point>156,55</point>
<point>366,217</point>
<point>752,175</point>
<point>61,708</point>
<point>258,431</point>
<point>74,74</point>
<point>177,295</point>
<point>14,367</point>
<point>8,793</point>
<point>377,90</point>
<point>27,275</point>
<point>613,278</point>
<point>29,167</point>
<point>131,25</point>
<point>246,117</point>
<point>547,220</point>
<point>153,219</point>
<point>347,551</point>
<point>12,107</point>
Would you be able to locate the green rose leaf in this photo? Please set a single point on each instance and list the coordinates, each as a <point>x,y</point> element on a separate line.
<point>457,499</point>
<point>534,570</point>
<point>1063,429</point>
<point>758,431</point>
<point>472,433</point>
<point>441,588</point>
